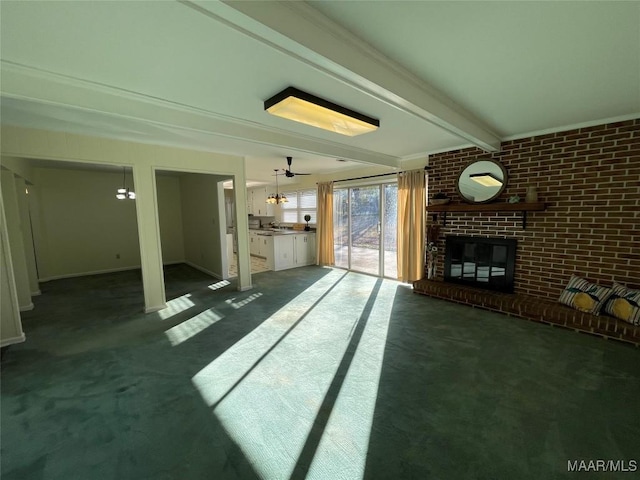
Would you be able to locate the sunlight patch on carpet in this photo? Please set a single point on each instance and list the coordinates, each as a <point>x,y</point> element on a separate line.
<point>268,388</point>
<point>193,326</point>
<point>342,452</point>
<point>176,306</point>
<point>219,285</point>
<point>239,304</point>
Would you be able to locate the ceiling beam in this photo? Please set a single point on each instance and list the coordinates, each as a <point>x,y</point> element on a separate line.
<point>300,31</point>
<point>30,85</point>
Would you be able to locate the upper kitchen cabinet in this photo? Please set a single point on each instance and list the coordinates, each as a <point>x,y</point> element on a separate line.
<point>250,202</point>
<point>257,202</point>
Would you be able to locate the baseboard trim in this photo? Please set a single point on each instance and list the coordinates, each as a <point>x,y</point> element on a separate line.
<point>155,309</point>
<point>26,308</point>
<point>87,274</point>
<point>36,293</point>
<point>100,272</point>
<point>10,341</point>
<point>244,289</point>
<point>204,270</point>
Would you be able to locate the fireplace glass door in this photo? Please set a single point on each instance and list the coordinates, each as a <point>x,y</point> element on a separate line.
<point>482,262</point>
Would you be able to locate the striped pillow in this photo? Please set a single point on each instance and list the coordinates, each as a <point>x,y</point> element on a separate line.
<point>584,296</point>
<point>624,304</point>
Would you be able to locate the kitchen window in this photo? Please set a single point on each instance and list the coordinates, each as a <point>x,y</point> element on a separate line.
<point>300,203</point>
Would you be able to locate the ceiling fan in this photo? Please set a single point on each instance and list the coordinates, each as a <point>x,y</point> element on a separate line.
<point>288,171</point>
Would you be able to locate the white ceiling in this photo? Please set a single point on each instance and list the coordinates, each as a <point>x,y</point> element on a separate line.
<point>438,75</point>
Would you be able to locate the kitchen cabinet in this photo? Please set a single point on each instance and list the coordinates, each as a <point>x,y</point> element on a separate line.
<point>257,202</point>
<point>311,248</point>
<point>266,249</point>
<point>269,208</point>
<point>301,249</point>
<point>294,250</point>
<point>283,254</point>
<point>260,245</point>
<point>250,202</point>
<point>254,243</point>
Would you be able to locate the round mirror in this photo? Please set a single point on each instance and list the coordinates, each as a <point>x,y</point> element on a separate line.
<point>482,181</point>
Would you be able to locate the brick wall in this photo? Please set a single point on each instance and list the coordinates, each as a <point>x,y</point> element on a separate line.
<point>590,180</point>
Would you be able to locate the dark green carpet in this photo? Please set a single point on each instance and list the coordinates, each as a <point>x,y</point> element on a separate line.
<point>315,373</point>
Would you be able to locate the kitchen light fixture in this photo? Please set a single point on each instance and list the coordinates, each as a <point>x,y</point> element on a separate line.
<point>303,107</point>
<point>486,179</point>
<point>277,198</point>
<point>124,192</point>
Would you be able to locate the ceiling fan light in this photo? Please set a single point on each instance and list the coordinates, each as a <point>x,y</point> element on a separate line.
<point>122,190</point>
<point>302,107</point>
<point>132,195</point>
<point>487,179</point>
<point>121,196</point>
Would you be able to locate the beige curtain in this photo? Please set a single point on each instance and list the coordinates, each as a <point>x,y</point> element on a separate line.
<point>324,224</point>
<point>411,223</point>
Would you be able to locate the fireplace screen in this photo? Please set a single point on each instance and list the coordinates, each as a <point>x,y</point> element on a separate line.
<point>481,262</point>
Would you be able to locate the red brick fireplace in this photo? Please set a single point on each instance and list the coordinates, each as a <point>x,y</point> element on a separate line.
<point>589,179</point>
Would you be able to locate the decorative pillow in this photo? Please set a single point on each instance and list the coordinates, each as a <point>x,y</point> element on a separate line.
<point>584,296</point>
<point>624,304</point>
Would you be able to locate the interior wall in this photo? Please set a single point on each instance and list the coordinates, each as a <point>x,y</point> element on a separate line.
<point>25,144</point>
<point>84,229</point>
<point>87,229</point>
<point>589,179</point>
<point>202,222</point>
<point>170,218</point>
<point>27,236</point>
<point>11,201</point>
<point>10,323</point>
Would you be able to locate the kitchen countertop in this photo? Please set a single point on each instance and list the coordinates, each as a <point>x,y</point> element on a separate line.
<point>268,232</point>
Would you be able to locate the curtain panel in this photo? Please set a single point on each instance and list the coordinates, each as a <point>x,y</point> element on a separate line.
<point>324,225</point>
<point>411,225</point>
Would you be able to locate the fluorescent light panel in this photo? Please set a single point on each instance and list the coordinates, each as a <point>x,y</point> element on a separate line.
<point>299,106</point>
<point>486,179</point>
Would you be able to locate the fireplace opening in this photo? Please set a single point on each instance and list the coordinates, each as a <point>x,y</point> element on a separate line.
<point>481,262</point>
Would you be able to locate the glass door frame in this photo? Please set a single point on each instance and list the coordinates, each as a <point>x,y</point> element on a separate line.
<point>381,226</point>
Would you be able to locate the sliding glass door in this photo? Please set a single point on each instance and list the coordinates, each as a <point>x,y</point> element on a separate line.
<point>365,228</point>
<point>390,229</point>
<point>341,227</point>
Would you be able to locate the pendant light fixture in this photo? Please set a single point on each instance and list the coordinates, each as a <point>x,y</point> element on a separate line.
<point>124,192</point>
<point>277,198</point>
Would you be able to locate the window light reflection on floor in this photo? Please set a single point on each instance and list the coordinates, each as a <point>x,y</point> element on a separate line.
<point>176,306</point>
<point>242,303</point>
<point>343,447</point>
<point>218,285</point>
<point>258,341</point>
<point>268,388</point>
<point>191,327</point>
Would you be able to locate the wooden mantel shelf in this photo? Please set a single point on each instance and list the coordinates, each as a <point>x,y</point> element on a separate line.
<point>522,207</point>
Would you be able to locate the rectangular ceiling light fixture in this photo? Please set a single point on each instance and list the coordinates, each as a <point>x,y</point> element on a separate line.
<point>303,107</point>
<point>486,179</point>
